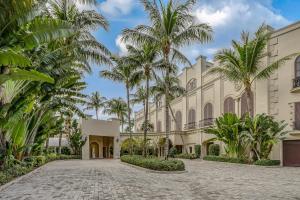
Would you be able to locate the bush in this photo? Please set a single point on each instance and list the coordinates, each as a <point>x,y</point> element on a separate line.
<point>267,162</point>
<point>226,159</point>
<point>173,152</point>
<point>51,157</point>
<point>186,156</point>
<point>4,178</point>
<point>65,151</point>
<point>154,163</point>
<point>198,150</point>
<point>214,150</point>
<point>40,160</point>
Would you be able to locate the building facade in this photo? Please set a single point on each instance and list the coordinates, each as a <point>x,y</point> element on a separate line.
<point>208,96</point>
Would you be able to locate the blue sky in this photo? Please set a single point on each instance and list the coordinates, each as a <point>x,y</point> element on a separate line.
<point>227,17</point>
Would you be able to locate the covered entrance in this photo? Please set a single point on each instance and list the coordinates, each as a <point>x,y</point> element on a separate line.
<point>291,153</point>
<point>101,147</point>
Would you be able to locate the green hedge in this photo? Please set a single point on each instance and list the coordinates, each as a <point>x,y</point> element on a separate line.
<point>226,159</point>
<point>28,164</point>
<point>154,163</point>
<point>186,156</point>
<point>267,162</point>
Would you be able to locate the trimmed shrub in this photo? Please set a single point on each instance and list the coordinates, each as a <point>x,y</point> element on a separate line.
<point>214,150</point>
<point>173,152</point>
<point>226,159</point>
<point>4,178</point>
<point>267,162</point>
<point>198,150</point>
<point>154,163</point>
<point>40,160</point>
<point>186,156</point>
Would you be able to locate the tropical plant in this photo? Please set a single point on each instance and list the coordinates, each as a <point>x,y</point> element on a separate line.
<point>262,132</point>
<point>243,63</point>
<point>144,58</point>
<point>117,107</point>
<point>228,129</point>
<point>96,101</point>
<point>124,72</point>
<point>171,26</point>
<point>76,139</point>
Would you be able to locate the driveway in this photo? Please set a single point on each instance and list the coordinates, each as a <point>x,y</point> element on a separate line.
<point>109,179</point>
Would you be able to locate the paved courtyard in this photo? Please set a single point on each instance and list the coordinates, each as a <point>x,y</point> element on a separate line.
<point>109,179</point>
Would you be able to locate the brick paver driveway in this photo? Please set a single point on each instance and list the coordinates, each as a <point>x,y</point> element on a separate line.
<point>109,179</point>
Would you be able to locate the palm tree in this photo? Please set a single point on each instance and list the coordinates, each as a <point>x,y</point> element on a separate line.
<point>124,72</point>
<point>172,26</point>
<point>117,107</point>
<point>144,58</point>
<point>96,101</point>
<point>242,64</point>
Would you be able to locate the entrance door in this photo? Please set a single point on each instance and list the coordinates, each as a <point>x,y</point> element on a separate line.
<point>291,153</point>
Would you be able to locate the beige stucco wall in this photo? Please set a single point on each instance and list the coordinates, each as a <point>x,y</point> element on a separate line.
<point>108,128</point>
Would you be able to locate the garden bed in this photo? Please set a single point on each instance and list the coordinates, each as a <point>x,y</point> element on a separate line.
<point>20,168</point>
<point>154,163</point>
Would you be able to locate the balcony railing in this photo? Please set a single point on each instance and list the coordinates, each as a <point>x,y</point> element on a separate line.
<point>191,125</point>
<point>296,82</point>
<point>206,122</point>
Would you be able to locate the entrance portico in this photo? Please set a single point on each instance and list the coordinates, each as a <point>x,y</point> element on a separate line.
<point>102,139</point>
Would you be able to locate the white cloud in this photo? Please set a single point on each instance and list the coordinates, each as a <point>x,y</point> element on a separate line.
<point>121,45</point>
<point>229,18</point>
<point>117,7</point>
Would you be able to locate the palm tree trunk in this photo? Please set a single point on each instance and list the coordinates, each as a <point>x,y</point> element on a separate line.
<point>97,114</point>
<point>167,115</point>
<point>129,119</point>
<point>249,100</point>
<point>146,116</point>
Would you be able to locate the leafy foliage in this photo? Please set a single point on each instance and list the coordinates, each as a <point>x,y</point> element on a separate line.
<point>154,163</point>
<point>214,150</point>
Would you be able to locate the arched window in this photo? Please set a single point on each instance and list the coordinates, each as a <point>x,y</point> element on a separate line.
<point>178,117</point>
<point>244,105</point>
<point>229,105</point>
<point>297,67</point>
<point>158,126</point>
<point>192,119</point>
<point>192,84</point>
<point>208,111</point>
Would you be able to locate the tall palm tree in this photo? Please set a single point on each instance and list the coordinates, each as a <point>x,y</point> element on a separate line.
<point>96,101</point>
<point>117,107</point>
<point>124,72</point>
<point>144,58</point>
<point>172,26</point>
<point>243,65</point>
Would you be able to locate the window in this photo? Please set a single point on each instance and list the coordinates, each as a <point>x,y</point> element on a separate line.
<point>158,126</point>
<point>191,85</point>
<point>192,116</point>
<point>208,111</point>
<point>229,105</point>
<point>178,117</point>
<point>208,114</point>
<point>244,105</point>
<point>191,149</point>
<point>191,119</point>
<point>297,67</point>
<point>297,116</point>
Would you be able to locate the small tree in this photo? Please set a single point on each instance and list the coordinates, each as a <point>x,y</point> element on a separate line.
<point>262,132</point>
<point>76,139</point>
<point>228,129</point>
